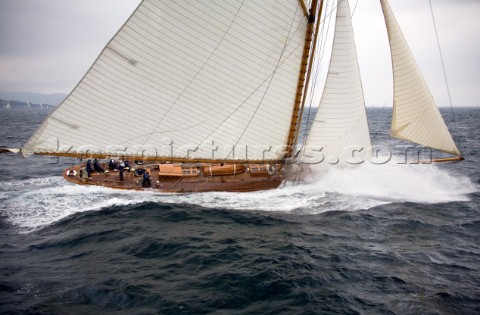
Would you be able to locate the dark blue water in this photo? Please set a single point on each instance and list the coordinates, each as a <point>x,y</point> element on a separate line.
<point>388,239</point>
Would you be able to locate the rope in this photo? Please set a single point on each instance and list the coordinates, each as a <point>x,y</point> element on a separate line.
<point>196,74</point>
<point>355,8</point>
<point>279,62</point>
<point>268,79</point>
<point>444,71</point>
<point>313,87</point>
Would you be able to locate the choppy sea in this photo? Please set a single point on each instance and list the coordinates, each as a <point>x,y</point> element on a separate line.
<point>394,238</point>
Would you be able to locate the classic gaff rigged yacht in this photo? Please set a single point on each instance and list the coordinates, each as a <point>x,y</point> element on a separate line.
<point>209,96</point>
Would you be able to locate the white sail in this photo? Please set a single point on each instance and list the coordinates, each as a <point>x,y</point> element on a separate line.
<point>203,79</point>
<point>415,116</point>
<point>340,129</point>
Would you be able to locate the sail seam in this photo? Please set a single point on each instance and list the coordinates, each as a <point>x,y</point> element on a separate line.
<point>270,76</point>
<point>287,40</point>
<point>196,75</point>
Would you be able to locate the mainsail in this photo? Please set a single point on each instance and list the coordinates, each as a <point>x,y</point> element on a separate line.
<point>340,129</point>
<point>415,116</point>
<point>210,80</point>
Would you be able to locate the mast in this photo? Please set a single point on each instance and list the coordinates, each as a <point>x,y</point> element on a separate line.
<point>310,65</point>
<point>298,107</point>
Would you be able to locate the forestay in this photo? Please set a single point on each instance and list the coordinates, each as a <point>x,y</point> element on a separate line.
<point>415,116</point>
<point>189,79</point>
<point>340,130</point>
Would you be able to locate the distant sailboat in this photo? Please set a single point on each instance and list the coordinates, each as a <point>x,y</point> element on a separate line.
<point>7,105</point>
<point>209,95</point>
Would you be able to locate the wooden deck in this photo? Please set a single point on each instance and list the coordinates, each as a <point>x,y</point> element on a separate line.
<point>249,180</point>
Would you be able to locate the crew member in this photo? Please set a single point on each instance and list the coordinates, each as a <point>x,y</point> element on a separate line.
<point>89,168</point>
<point>121,168</point>
<point>146,183</point>
<point>97,167</point>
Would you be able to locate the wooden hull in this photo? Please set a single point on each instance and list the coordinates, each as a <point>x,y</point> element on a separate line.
<point>241,182</point>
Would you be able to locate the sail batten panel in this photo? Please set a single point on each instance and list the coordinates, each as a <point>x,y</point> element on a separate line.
<point>188,73</point>
<point>340,124</point>
<point>415,115</point>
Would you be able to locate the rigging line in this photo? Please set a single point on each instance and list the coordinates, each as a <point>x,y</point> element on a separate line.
<point>270,81</point>
<point>324,37</point>
<point>443,67</point>
<point>355,8</point>
<point>273,73</point>
<point>197,74</point>
<point>309,90</point>
<point>314,83</point>
<point>261,84</point>
<point>228,117</point>
<point>319,62</point>
<point>271,78</point>
<point>307,80</point>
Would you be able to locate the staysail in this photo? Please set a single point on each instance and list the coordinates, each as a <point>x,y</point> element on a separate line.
<point>415,116</point>
<point>210,80</point>
<point>340,129</point>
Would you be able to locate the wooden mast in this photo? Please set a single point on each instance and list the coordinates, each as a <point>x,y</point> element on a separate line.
<point>294,125</point>
<point>310,65</point>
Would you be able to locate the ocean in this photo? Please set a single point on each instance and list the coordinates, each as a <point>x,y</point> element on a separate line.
<point>391,238</point>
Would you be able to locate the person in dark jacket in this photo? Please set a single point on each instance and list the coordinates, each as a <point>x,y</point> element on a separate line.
<point>112,165</point>
<point>97,167</point>
<point>121,168</point>
<point>89,168</point>
<point>146,183</point>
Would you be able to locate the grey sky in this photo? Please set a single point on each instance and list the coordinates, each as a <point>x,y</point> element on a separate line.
<point>48,45</point>
<point>458,29</point>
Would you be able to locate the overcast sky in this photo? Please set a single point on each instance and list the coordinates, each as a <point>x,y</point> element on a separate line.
<point>48,45</point>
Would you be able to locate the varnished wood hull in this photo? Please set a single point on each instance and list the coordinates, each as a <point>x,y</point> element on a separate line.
<point>242,182</point>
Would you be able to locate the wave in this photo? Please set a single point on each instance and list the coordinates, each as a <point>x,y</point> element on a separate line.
<point>34,203</point>
<point>421,183</point>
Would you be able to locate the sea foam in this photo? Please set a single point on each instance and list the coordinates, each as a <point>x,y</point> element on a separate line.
<point>34,203</point>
